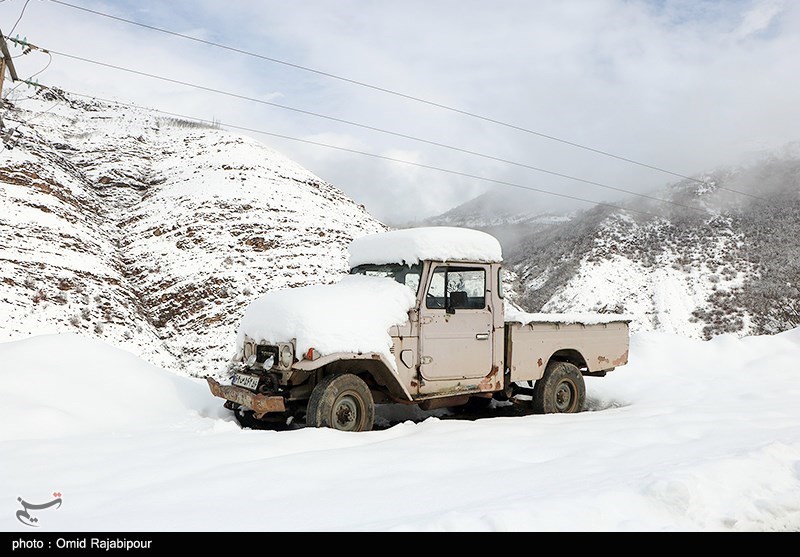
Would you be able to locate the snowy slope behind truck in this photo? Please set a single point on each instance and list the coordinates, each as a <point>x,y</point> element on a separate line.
<point>422,320</point>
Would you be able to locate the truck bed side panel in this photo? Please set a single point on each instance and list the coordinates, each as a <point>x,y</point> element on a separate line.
<point>602,346</point>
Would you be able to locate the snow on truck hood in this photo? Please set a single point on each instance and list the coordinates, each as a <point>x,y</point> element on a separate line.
<point>438,243</point>
<point>353,315</point>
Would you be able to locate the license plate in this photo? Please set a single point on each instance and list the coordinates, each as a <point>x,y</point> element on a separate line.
<point>246,381</point>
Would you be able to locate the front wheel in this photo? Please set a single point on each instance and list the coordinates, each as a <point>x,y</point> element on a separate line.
<point>246,419</point>
<point>560,390</point>
<point>341,402</point>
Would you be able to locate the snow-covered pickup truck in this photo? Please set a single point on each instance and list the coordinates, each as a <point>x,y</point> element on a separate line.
<point>421,319</point>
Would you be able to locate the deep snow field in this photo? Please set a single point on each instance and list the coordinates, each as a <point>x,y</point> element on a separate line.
<point>689,436</point>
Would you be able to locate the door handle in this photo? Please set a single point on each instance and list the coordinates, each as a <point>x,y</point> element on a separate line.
<point>482,336</point>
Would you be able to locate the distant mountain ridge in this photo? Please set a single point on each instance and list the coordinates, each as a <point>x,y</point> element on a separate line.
<point>506,216</point>
<point>154,233</point>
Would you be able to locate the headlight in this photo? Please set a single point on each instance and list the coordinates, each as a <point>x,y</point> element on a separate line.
<point>248,350</point>
<point>287,358</point>
<point>250,361</point>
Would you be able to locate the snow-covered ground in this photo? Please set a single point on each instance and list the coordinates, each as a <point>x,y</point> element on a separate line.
<point>690,436</point>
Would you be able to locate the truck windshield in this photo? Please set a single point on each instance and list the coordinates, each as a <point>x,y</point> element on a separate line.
<point>404,274</point>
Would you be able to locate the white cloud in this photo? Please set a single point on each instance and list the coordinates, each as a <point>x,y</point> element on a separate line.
<point>760,16</point>
<point>678,84</point>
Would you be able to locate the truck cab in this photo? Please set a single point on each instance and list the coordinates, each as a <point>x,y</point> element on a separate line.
<point>454,335</point>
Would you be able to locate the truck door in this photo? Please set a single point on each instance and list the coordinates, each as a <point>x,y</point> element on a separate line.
<point>455,326</point>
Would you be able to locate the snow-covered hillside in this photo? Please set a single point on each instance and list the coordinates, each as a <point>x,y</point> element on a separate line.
<point>154,233</point>
<point>661,273</point>
<point>732,265</point>
<point>729,263</point>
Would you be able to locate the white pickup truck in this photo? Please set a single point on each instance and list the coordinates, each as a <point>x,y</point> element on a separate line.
<point>421,319</point>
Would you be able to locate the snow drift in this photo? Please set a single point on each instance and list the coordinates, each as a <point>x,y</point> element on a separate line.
<point>62,385</point>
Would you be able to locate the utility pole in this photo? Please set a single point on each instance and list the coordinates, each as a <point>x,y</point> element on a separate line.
<point>6,62</point>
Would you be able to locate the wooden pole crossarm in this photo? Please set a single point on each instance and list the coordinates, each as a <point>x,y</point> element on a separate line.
<point>7,57</point>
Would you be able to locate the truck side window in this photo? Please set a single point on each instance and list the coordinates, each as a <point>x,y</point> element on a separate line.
<point>459,287</point>
<point>500,287</point>
<point>436,294</point>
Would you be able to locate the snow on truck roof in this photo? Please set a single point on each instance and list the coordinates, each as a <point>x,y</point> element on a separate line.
<point>438,243</point>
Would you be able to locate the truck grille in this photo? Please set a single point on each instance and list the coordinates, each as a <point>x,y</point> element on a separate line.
<point>264,351</point>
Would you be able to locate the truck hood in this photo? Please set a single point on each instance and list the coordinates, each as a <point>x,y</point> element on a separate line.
<point>353,315</point>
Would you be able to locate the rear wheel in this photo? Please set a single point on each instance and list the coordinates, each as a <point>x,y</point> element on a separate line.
<point>341,402</point>
<point>560,390</point>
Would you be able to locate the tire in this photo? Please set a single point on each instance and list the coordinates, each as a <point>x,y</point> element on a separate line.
<point>341,402</point>
<point>561,390</point>
<point>246,419</point>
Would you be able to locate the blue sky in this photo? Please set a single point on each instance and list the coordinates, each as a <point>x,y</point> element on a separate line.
<point>679,84</point>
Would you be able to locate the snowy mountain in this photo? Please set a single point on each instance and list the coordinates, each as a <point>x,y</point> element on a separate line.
<point>509,216</point>
<point>154,234</point>
<point>729,263</point>
<point>724,262</point>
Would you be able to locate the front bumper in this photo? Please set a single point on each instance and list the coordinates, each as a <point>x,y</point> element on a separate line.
<point>260,404</point>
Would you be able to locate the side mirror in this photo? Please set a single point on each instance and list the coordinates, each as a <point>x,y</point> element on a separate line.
<point>450,309</point>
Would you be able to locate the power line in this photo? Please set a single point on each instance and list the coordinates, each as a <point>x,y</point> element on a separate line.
<point>367,154</point>
<point>50,61</point>
<point>395,93</point>
<point>22,13</point>
<point>371,128</point>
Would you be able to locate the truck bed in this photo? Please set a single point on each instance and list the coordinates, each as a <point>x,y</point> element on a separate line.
<point>596,343</point>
